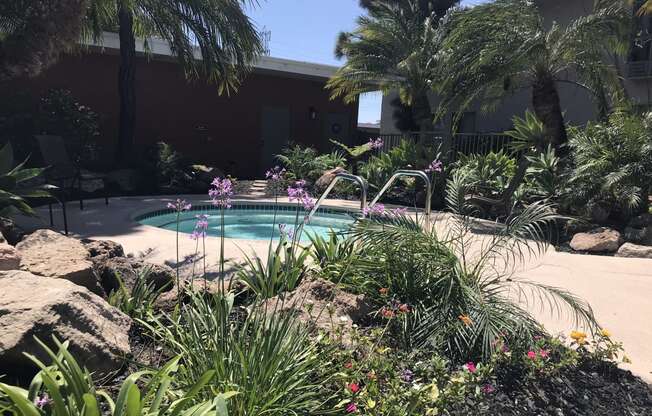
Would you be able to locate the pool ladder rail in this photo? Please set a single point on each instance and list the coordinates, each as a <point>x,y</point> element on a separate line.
<point>362,183</point>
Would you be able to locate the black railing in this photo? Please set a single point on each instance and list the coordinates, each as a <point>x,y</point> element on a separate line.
<point>465,143</point>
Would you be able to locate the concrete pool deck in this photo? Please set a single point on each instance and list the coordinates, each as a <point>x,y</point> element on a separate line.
<point>618,289</point>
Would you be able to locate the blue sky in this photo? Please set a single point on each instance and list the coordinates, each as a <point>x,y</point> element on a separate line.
<point>306,30</point>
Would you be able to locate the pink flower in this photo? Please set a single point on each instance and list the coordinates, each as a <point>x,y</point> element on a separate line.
<point>354,387</point>
<point>532,355</point>
<point>434,166</point>
<point>488,389</point>
<point>221,192</point>
<point>275,174</point>
<point>42,401</point>
<point>180,205</point>
<point>297,193</point>
<point>376,209</point>
<point>470,367</point>
<point>376,144</point>
<point>544,353</point>
<point>351,408</point>
<point>201,226</point>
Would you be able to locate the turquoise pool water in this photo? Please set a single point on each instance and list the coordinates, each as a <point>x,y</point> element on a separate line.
<point>252,222</point>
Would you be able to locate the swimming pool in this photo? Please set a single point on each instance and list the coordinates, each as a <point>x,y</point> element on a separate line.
<point>251,222</point>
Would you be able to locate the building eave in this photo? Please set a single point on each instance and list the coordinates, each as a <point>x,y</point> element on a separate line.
<point>160,49</point>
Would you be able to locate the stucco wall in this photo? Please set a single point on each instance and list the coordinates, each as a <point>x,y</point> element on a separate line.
<point>224,131</point>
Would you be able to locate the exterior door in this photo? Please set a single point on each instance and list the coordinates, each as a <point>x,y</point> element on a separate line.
<point>275,135</point>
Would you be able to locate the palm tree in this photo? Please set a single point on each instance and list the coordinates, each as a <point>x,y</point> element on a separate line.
<point>34,32</point>
<point>217,31</point>
<point>494,49</point>
<point>391,50</point>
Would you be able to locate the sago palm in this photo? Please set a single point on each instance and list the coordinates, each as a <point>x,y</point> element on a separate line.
<point>390,50</point>
<point>497,48</point>
<point>212,39</point>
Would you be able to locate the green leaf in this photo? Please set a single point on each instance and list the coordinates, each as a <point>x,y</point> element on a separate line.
<point>90,405</point>
<point>18,397</point>
<point>6,158</point>
<point>133,401</point>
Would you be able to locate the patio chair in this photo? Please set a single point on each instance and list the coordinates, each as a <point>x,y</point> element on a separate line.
<point>63,173</point>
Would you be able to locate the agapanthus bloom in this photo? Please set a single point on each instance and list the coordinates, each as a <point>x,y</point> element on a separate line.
<point>376,144</point>
<point>434,166</point>
<point>298,193</point>
<point>180,205</point>
<point>201,226</point>
<point>286,231</point>
<point>275,174</point>
<point>376,209</point>
<point>41,401</point>
<point>399,212</point>
<point>221,192</point>
<point>407,375</point>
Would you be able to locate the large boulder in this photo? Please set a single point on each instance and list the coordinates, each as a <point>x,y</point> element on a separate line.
<point>10,231</point>
<point>50,254</point>
<point>128,269</point>
<point>9,257</point>
<point>100,250</point>
<point>599,240</point>
<point>34,306</point>
<point>321,304</point>
<point>633,250</point>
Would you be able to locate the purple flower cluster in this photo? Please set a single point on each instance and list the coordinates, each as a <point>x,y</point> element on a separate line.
<point>221,192</point>
<point>42,401</point>
<point>201,227</point>
<point>376,144</point>
<point>407,375</point>
<point>434,166</point>
<point>380,210</point>
<point>297,193</point>
<point>275,174</point>
<point>286,231</point>
<point>180,205</point>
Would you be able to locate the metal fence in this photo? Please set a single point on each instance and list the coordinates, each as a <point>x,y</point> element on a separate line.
<point>467,144</point>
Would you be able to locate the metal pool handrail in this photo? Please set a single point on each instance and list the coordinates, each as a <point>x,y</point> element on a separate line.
<point>346,176</point>
<point>414,173</point>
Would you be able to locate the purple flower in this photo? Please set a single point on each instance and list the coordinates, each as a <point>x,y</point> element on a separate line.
<point>488,389</point>
<point>399,212</point>
<point>407,375</point>
<point>376,209</point>
<point>434,166</point>
<point>180,205</point>
<point>42,401</point>
<point>351,408</point>
<point>376,144</point>
<point>221,192</point>
<point>285,231</point>
<point>297,193</point>
<point>275,174</point>
<point>201,226</point>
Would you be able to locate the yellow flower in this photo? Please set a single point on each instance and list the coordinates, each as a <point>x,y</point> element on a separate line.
<point>605,333</point>
<point>465,318</point>
<point>371,404</point>
<point>434,392</point>
<point>576,335</point>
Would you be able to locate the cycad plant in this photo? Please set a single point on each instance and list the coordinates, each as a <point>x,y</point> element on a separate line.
<point>461,288</point>
<point>63,388</point>
<point>17,184</point>
<point>612,164</point>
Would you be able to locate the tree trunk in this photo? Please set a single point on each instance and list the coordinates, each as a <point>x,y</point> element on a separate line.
<point>545,101</point>
<point>422,114</point>
<point>126,83</point>
<point>521,170</point>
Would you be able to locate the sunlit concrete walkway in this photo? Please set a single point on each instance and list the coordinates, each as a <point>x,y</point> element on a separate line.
<point>618,289</point>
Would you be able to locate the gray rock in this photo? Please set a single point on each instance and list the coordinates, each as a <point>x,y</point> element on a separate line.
<point>50,254</point>
<point>10,231</point>
<point>598,240</point>
<point>162,277</point>
<point>9,257</point>
<point>633,250</point>
<point>103,249</point>
<point>32,306</point>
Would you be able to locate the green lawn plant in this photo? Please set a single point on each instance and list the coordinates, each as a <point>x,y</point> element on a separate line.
<point>64,388</point>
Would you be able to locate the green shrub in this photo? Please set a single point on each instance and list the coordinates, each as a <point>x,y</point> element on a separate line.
<point>299,161</point>
<point>263,356</point>
<point>16,184</point>
<point>612,164</point>
<point>139,302</point>
<point>486,175</point>
<point>63,388</point>
<point>457,284</point>
<point>337,259</point>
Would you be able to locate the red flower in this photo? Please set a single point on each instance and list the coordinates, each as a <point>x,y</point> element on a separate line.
<point>348,365</point>
<point>383,291</point>
<point>544,353</point>
<point>404,308</point>
<point>532,355</point>
<point>470,367</point>
<point>354,387</point>
<point>387,313</point>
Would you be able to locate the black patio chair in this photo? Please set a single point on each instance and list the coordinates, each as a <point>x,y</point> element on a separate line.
<point>64,174</point>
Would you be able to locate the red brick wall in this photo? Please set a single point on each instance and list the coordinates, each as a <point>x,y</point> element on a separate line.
<point>171,109</point>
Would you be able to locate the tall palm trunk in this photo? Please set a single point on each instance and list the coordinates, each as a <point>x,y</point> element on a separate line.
<point>545,101</point>
<point>422,114</point>
<point>126,82</point>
